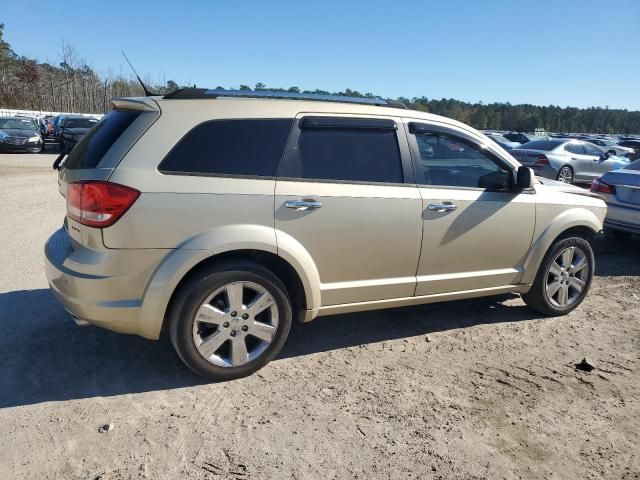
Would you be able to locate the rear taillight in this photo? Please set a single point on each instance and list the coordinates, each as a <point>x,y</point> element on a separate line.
<point>542,160</point>
<point>98,204</point>
<point>598,186</point>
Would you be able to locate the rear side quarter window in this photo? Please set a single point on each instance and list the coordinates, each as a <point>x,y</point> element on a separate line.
<point>95,144</point>
<point>245,147</point>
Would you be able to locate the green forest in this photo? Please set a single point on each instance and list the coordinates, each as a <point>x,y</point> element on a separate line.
<point>71,85</point>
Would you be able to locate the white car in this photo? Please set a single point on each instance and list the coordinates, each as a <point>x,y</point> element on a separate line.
<point>611,147</point>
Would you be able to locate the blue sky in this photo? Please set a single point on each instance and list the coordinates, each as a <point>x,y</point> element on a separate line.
<point>577,53</point>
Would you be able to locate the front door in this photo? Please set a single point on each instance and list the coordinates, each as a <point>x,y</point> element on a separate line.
<point>345,192</point>
<point>476,230</point>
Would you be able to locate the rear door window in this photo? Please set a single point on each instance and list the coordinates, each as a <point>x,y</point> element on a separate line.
<point>95,144</point>
<point>251,147</point>
<point>347,150</point>
<point>576,148</point>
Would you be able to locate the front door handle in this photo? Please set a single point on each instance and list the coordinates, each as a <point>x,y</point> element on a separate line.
<point>442,207</point>
<point>302,204</point>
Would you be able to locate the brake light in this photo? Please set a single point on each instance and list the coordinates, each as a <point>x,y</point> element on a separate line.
<point>542,160</point>
<point>598,186</point>
<point>99,204</point>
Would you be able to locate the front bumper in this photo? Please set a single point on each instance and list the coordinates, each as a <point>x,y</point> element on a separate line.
<point>102,287</point>
<point>27,147</point>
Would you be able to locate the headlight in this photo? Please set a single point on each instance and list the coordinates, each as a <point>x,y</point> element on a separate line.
<point>35,138</point>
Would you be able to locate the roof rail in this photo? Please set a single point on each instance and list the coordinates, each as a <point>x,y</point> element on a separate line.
<point>204,93</point>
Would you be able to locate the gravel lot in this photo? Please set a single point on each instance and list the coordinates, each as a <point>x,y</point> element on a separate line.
<point>479,389</point>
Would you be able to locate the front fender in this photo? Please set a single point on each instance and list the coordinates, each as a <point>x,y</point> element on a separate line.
<point>574,217</point>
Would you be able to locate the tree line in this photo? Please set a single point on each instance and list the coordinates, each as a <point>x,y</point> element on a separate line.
<point>72,85</point>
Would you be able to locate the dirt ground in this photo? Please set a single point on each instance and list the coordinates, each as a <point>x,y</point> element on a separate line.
<point>479,389</point>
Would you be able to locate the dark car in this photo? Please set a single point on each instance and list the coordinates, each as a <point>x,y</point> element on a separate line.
<point>72,128</point>
<point>20,135</point>
<point>520,137</point>
<point>635,144</point>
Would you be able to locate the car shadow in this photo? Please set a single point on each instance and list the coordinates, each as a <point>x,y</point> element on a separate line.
<point>45,357</point>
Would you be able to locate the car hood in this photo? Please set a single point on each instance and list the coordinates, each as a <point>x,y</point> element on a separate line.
<point>546,184</point>
<point>15,132</point>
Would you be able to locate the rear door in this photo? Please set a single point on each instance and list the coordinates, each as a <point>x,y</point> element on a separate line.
<point>581,163</point>
<point>476,230</point>
<point>345,192</point>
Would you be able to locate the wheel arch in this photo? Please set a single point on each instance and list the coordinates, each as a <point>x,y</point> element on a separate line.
<point>579,222</point>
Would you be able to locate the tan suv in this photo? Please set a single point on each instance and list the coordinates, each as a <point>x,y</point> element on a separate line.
<point>219,216</point>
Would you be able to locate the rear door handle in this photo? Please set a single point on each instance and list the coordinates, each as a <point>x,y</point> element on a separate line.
<point>302,204</point>
<point>442,207</point>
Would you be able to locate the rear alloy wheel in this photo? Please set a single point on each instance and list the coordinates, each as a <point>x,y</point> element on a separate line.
<point>612,153</point>
<point>565,175</point>
<point>563,279</point>
<point>231,320</point>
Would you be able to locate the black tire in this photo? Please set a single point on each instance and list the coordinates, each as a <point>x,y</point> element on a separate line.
<point>194,292</point>
<point>537,299</point>
<point>569,174</point>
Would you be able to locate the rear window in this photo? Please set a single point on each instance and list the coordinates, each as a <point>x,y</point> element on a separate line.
<point>230,147</point>
<point>93,146</point>
<point>541,145</point>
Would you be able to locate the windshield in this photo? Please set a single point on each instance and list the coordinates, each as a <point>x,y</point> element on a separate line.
<point>17,124</point>
<point>541,145</point>
<point>80,122</point>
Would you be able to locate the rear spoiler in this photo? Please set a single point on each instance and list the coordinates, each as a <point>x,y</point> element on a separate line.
<point>135,103</point>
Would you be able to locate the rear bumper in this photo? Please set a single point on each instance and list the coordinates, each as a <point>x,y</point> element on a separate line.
<point>623,218</point>
<point>545,171</point>
<point>98,286</point>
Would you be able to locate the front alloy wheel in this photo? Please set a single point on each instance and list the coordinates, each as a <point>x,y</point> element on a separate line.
<point>567,277</point>
<point>563,278</point>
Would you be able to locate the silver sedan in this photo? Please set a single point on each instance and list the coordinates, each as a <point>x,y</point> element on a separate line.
<point>621,190</point>
<point>569,161</point>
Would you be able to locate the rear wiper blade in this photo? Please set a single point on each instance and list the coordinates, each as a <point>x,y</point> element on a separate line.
<point>58,161</point>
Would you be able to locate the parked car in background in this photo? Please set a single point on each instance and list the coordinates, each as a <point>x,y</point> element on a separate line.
<point>568,161</point>
<point>633,144</point>
<point>612,147</point>
<point>221,216</point>
<point>71,128</point>
<point>502,141</point>
<point>620,189</point>
<point>520,137</point>
<point>20,134</point>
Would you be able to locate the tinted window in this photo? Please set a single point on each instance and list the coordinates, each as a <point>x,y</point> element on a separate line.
<point>451,161</point>
<point>541,144</point>
<point>230,147</point>
<point>576,148</point>
<point>348,154</point>
<point>80,122</point>
<point>93,146</point>
<point>592,150</point>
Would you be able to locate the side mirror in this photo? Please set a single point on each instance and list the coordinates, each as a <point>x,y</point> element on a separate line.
<point>524,178</point>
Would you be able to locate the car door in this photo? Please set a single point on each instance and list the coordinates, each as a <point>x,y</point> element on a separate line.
<point>345,192</point>
<point>581,163</point>
<point>476,229</point>
<point>600,164</point>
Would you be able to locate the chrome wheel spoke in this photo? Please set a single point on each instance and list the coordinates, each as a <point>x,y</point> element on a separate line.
<point>239,353</point>
<point>552,288</point>
<point>262,331</point>
<point>234,295</point>
<point>210,314</point>
<point>563,295</point>
<point>211,345</point>
<point>577,284</point>
<point>263,301</point>
<point>567,257</point>
<point>579,265</point>
<point>555,269</point>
